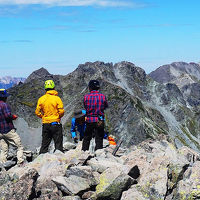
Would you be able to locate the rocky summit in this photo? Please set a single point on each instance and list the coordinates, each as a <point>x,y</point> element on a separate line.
<point>150,170</point>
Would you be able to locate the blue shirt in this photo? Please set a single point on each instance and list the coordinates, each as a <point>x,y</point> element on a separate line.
<point>78,127</point>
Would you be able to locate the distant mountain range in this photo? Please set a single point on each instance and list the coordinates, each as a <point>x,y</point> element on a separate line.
<point>8,81</point>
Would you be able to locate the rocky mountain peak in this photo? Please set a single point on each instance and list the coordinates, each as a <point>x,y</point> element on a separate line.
<point>93,67</point>
<point>180,73</point>
<point>40,73</point>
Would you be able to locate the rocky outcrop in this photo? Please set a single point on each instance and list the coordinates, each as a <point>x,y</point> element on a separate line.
<point>179,73</point>
<point>150,170</point>
<point>38,74</point>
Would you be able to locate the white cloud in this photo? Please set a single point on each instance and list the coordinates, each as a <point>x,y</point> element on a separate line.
<point>102,3</point>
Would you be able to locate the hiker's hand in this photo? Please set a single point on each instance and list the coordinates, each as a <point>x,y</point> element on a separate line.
<point>14,117</point>
<point>75,139</point>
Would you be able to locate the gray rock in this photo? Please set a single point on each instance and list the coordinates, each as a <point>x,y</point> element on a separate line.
<point>9,163</point>
<point>188,187</point>
<point>22,189</point>
<point>68,145</point>
<point>83,172</point>
<point>101,164</point>
<point>71,198</point>
<point>72,185</point>
<point>133,193</point>
<point>88,195</point>
<point>112,183</point>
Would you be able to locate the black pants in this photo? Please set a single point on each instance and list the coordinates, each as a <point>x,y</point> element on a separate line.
<point>93,130</point>
<point>50,132</point>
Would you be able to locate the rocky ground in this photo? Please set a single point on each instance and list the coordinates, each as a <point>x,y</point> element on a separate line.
<point>151,170</point>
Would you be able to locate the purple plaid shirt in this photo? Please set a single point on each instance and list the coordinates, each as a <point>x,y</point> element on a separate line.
<point>6,123</point>
<point>95,103</point>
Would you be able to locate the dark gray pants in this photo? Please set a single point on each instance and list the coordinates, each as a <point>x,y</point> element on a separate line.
<point>50,132</point>
<point>96,131</point>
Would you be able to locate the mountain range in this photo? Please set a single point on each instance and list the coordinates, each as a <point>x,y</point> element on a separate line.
<point>8,81</point>
<point>141,106</point>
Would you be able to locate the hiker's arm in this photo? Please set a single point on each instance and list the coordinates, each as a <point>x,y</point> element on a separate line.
<point>7,112</point>
<point>73,128</point>
<point>60,108</point>
<point>38,110</point>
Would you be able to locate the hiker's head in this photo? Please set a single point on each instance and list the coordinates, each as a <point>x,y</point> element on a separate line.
<point>3,94</point>
<point>80,116</point>
<point>94,85</point>
<point>49,85</point>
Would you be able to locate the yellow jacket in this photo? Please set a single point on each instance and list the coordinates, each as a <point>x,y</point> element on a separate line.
<point>50,107</point>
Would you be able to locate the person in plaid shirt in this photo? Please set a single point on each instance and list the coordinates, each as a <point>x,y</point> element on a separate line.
<point>95,103</point>
<point>8,133</point>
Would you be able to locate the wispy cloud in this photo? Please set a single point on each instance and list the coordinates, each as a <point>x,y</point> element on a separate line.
<point>23,41</point>
<point>157,25</point>
<point>88,29</point>
<point>101,3</point>
<point>16,41</point>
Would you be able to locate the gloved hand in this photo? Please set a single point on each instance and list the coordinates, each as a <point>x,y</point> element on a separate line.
<point>14,117</point>
<point>75,139</point>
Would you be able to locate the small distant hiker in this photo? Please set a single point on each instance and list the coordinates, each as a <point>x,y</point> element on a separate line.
<point>95,103</point>
<point>78,124</point>
<point>8,133</point>
<point>50,109</point>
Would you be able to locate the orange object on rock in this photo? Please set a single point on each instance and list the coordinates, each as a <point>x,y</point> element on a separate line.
<point>14,117</point>
<point>111,140</point>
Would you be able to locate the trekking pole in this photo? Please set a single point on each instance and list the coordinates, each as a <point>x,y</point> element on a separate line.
<point>117,146</point>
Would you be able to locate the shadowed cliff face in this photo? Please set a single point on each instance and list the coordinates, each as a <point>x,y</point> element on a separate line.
<point>139,107</point>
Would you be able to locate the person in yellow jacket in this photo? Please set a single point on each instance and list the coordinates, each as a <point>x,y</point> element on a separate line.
<point>50,109</point>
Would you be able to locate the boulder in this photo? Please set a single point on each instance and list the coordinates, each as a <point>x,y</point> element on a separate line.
<point>83,172</point>
<point>72,185</point>
<point>71,198</point>
<point>160,165</point>
<point>68,145</point>
<point>189,185</point>
<point>113,182</point>
<point>133,193</point>
<point>22,188</point>
<point>101,164</point>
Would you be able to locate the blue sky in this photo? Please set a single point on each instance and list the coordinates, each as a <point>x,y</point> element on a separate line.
<point>60,34</point>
